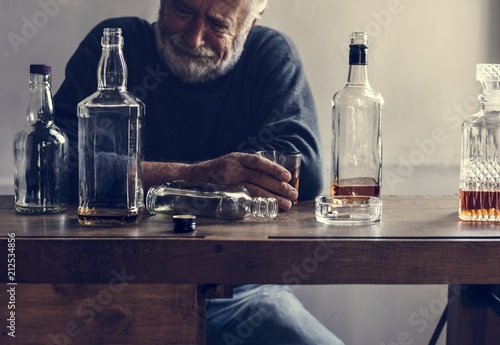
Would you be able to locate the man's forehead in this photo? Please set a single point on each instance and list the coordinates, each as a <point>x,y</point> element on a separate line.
<point>223,5</point>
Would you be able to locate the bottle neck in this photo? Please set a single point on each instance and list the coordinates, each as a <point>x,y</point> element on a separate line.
<point>358,70</point>
<point>40,106</point>
<point>490,100</point>
<point>112,70</point>
<point>264,207</point>
<point>358,75</point>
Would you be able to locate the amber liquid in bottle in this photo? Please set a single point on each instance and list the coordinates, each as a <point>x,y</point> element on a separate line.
<point>356,129</point>
<point>479,168</point>
<point>480,204</point>
<point>90,217</point>
<point>356,186</point>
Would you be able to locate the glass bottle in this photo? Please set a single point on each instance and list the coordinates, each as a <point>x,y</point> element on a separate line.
<point>210,200</point>
<point>480,161</point>
<point>40,152</point>
<point>110,143</point>
<point>357,136</point>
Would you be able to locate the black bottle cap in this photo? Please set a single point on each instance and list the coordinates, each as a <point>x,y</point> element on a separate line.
<point>184,223</point>
<point>40,69</point>
<point>357,54</point>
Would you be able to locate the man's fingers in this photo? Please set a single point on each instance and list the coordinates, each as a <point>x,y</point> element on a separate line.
<point>271,184</point>
<point>255,162</point>
<point>283,203</point>
<point>262,177</point>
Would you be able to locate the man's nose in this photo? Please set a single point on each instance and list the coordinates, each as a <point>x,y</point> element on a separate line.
<point>195,36</point>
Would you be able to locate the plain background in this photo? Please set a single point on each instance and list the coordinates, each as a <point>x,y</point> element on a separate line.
<point>422,60</point>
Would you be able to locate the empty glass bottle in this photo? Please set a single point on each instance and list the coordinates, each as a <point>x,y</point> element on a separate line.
<point>357,122</point>
<point>211,200</point>
<point>110,143</point>
<point>480,163</point>
<point>40,152</point>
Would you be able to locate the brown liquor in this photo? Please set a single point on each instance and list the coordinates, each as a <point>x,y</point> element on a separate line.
<point>294,182</point>
<point>109,217</point>
<point>355,186</point>
<point>479,205</point>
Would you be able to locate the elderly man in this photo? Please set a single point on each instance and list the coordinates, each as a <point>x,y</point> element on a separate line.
<point>216,89</point>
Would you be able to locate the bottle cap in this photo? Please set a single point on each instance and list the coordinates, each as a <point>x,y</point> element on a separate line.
<point>357,48</point>
<point>184,223</point>
<point>40,69</point>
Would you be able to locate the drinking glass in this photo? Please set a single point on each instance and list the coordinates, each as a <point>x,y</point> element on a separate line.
<point>289,160</point>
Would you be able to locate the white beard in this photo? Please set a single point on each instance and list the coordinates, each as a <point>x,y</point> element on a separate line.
<point>196,65</point>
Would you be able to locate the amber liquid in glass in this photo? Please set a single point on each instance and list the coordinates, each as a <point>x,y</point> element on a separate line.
<point>294,182</point>
<point>356,186</point>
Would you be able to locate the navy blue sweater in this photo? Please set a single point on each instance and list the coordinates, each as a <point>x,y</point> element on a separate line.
<point>263,103</point>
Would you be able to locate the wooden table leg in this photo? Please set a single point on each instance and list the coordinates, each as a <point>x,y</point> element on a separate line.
<point>470,320</point>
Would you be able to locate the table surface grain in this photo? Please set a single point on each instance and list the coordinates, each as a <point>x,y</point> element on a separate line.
<point>418,217</point>
<point>420,240</point>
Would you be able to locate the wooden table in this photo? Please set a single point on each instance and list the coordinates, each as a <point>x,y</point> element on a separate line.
<point>147,285</point>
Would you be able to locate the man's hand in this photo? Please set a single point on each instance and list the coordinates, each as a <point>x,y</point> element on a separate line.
<point>261,176</point>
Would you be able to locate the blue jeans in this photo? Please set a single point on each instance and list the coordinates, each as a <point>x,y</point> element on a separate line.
<point>264,315</point>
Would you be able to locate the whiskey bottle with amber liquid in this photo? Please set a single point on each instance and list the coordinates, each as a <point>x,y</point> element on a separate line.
<point>357,123</point>
<point>480,160</point>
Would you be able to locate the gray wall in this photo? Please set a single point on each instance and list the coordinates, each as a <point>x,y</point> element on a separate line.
<point>422,59</point>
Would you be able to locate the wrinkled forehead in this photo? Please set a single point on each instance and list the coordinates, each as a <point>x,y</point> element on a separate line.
<point>223,7</point>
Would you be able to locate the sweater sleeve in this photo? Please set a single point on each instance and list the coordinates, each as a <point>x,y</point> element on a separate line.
<point>287,110</point>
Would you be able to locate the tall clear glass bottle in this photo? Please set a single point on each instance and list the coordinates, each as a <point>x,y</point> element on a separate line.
<point>110,143</point>
<point>357,129</point>
<point>480,162</point>
<point>210,200</point>
<point>40,152</point>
